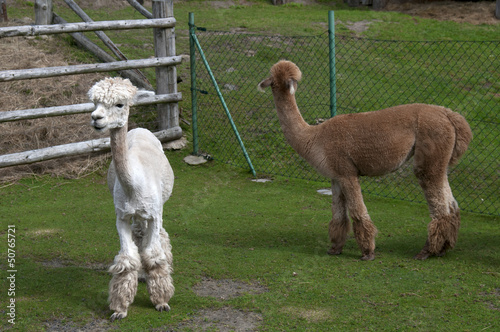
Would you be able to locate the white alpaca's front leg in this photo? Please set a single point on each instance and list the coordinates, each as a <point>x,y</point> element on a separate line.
<point>157,261</point>
<point>123,285</point>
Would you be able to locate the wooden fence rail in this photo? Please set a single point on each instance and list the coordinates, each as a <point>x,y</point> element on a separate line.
<point>164,62</point>
<point>37,30</point>
<point>23,74</point>
<point>46,112</point>
<point>74,149</point>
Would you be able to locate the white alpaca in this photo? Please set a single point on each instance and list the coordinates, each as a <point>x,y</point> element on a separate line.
<point>141,181</point>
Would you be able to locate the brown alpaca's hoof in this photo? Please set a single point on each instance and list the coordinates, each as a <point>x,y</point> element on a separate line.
<point>423,255</point>
<point>441,253</point>
<point>368,257</point>
<point>334,251</point>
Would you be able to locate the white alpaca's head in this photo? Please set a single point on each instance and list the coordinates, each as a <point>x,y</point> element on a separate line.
<point>112,98</point>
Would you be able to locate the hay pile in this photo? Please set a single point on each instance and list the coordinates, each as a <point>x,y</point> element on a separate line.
<point>19,136</point>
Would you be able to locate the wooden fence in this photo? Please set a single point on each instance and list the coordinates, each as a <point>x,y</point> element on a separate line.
<point>166,97</point>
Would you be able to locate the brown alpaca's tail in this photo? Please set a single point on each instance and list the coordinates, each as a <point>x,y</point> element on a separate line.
<point>463,135</point>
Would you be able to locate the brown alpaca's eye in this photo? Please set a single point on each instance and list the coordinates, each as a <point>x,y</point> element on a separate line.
<point>119,105</point>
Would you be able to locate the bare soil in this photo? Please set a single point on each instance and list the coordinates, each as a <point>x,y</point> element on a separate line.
<point>481,12</point>
<point>226,289</point>
<point>224,320</point>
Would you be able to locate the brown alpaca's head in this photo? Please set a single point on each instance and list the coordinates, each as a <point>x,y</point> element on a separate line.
<point>284,78</point>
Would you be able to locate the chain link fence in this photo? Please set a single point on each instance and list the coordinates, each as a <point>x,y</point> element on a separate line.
<point>371,74</point>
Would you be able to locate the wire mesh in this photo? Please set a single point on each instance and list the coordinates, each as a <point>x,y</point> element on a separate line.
<point>371,75</point>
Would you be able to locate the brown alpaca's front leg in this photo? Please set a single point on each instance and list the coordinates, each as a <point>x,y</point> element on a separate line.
<point>339,225</point>
<point>363,227</point>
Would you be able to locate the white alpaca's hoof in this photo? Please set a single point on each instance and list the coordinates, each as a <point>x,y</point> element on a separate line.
<point>118,315</point>
<point>162,307</point>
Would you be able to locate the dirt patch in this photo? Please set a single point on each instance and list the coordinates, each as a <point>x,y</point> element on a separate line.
<point>221,4</point>
<point>482,12</point>
<point>224,319</point>
<point>226,289</point>
<point>494,303</point>
<point>359,26</point>
<point>44,233</point>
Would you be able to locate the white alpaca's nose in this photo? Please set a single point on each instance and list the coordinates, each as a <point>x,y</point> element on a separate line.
<point>96,116</point>
<point>98,119</point>
<point>98,113</point>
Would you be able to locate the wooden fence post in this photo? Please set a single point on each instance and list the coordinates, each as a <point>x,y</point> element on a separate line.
<point>166,77</point>
<point>3,11</point>
<point>43,12</point>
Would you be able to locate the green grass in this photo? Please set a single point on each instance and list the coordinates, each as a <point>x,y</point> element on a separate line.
<point>224,226</point>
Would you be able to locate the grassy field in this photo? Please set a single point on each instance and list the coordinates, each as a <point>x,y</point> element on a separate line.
<point>263,245</point>
<point>269,235</point>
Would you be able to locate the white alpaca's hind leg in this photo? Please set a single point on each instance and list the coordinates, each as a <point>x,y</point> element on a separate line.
<point>157,261</point>
<point>123,284</point>
<point>137,236</point>
<point>167,247</point>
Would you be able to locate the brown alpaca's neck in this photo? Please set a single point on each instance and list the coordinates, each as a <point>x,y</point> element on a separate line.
<point>119,151</point>
<point>295,129</point>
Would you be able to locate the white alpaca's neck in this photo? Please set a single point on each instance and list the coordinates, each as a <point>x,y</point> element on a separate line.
<point>119,151</point>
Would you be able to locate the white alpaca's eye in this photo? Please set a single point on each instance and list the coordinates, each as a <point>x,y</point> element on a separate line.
<point>119,105</point>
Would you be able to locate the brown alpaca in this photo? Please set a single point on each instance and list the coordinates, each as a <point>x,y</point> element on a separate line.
<point>348,146</point>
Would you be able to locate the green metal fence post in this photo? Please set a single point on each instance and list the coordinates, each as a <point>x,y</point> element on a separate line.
<point>333,83</point>
<point>192,59</point>
<point>223,102</point>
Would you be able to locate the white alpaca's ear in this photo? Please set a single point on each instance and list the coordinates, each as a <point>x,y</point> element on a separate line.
<point>293,86</point>
<point>264,84</point>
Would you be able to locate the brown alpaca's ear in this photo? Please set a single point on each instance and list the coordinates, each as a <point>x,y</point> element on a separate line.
<point>292,85</point>
<point>264,84</point>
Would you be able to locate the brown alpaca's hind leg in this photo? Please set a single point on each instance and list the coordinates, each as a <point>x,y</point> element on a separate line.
<point>339,225</point>
<point>363,227</point>
<point>444,211</point>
